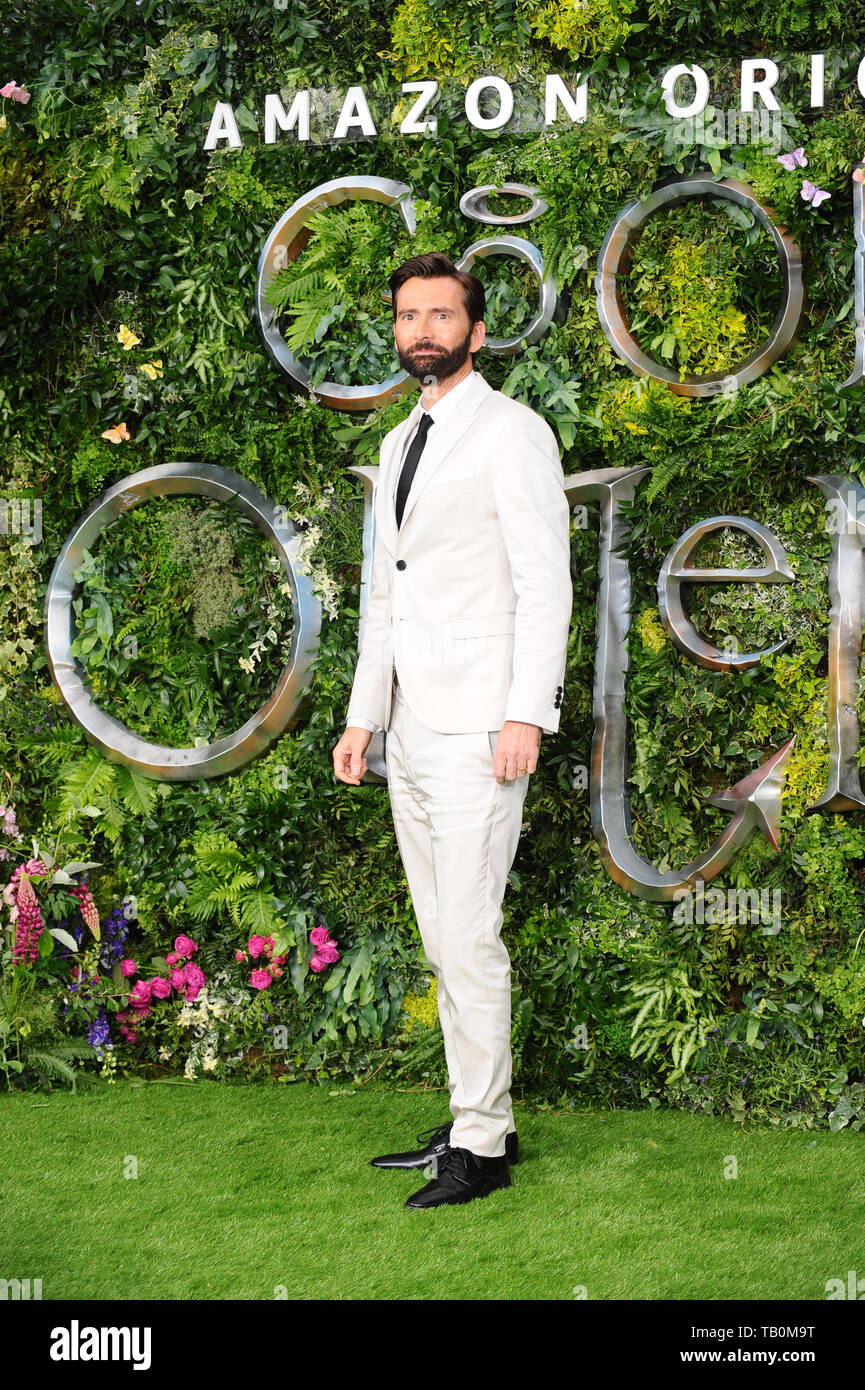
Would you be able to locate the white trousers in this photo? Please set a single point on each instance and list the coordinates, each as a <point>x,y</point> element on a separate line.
<point>457,829</point>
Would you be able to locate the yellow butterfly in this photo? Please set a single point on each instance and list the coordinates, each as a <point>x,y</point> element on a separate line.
<point>127,337</point>
<point>117,433</point>
<point>153,369</point>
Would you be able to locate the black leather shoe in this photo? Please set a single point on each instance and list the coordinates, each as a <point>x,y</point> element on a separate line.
<point>434,1144</point>
<point>461,1177</point>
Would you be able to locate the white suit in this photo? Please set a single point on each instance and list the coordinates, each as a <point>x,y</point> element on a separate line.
<point>470,603</point>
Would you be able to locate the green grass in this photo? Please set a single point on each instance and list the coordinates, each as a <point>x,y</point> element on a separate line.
<point>241,1189</point>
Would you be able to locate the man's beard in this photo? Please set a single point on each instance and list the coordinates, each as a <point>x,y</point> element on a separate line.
<point>439,364</point>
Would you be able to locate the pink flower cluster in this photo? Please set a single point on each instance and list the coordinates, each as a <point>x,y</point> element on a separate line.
<point>13,90</point>
<point>185,977</point>
<point>24,907</point>
<point>257,947</point>
<point>9,826</point>
<point>261,978</point>
<point>89,909</point>
<point>325,949</point>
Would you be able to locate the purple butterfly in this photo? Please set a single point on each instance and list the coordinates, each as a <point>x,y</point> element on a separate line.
<point>812,194</point>
<point>793,158</point>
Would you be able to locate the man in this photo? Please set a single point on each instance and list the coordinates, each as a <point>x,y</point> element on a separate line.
<point>462,662</point>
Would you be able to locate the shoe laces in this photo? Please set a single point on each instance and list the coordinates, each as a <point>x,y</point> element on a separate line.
<point>432,1136</point>
<point>460,1164</point>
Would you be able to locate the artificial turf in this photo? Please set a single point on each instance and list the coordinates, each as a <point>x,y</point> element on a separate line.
<point>265,1191</point>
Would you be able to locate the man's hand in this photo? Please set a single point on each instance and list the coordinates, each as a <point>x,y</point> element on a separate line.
<point>349,764</point>
<point>517,749</point>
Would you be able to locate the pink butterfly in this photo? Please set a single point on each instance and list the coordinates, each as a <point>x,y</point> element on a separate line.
<point>793,158</point>
<point>812,194</point>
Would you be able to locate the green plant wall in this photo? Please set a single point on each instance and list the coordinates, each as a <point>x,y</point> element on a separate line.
<point>127,270</point>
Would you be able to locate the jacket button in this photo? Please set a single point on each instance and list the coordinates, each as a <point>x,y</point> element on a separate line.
<point>400,564</point>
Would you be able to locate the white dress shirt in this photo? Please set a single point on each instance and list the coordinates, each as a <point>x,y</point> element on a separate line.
<point>439,410</point>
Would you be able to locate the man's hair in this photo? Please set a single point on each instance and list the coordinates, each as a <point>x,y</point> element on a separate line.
<point>434,263</point>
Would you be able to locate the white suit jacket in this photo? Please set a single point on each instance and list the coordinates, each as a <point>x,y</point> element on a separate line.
<point>471,599</point>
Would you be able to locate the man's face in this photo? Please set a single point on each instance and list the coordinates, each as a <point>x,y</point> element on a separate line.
<point>431,332</point>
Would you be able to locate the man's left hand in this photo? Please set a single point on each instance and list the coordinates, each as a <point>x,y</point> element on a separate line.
<point>517,750</point>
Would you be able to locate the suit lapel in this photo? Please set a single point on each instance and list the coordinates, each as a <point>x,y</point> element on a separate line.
<point>436,450</point>
<point>395,445</point>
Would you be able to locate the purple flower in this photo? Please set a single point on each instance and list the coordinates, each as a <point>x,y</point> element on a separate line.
<point>98,1034</point>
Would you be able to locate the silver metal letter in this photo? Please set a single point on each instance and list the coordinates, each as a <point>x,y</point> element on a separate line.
<point>846,499</point>
<point>284,244</point>
<point>121,745</point>
<point>625,229</point>
<point>677,570</point>
<point>858,281</point>
<point>756,799</point>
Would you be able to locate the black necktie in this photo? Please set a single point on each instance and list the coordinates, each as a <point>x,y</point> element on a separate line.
<point>409,468</point>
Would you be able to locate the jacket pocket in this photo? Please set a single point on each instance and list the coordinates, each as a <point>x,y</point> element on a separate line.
<point>488,625</point>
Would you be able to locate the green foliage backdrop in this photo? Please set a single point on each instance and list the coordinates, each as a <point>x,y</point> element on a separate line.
<point>127,269</point>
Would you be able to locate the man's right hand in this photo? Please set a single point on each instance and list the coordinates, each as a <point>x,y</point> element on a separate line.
<point>349,763</point>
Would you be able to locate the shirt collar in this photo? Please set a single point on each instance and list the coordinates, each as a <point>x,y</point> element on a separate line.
<point>440,408</point>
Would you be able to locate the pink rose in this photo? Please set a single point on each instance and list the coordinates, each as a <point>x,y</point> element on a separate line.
<point>328,953</point>
<point>127,968</point>
<point>140,993</point>
<point>317,964</point>
<point>319,936</point>
<point>177,978</point>
<point>195,980</point>
<point>278,972</point>
<point>141,1010</point>
<point>184,945</point>
<point>172,958</point>
<point>240,955</point>
<point>259,979</point>
<point>256,946</point>
<point>160,988</point>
